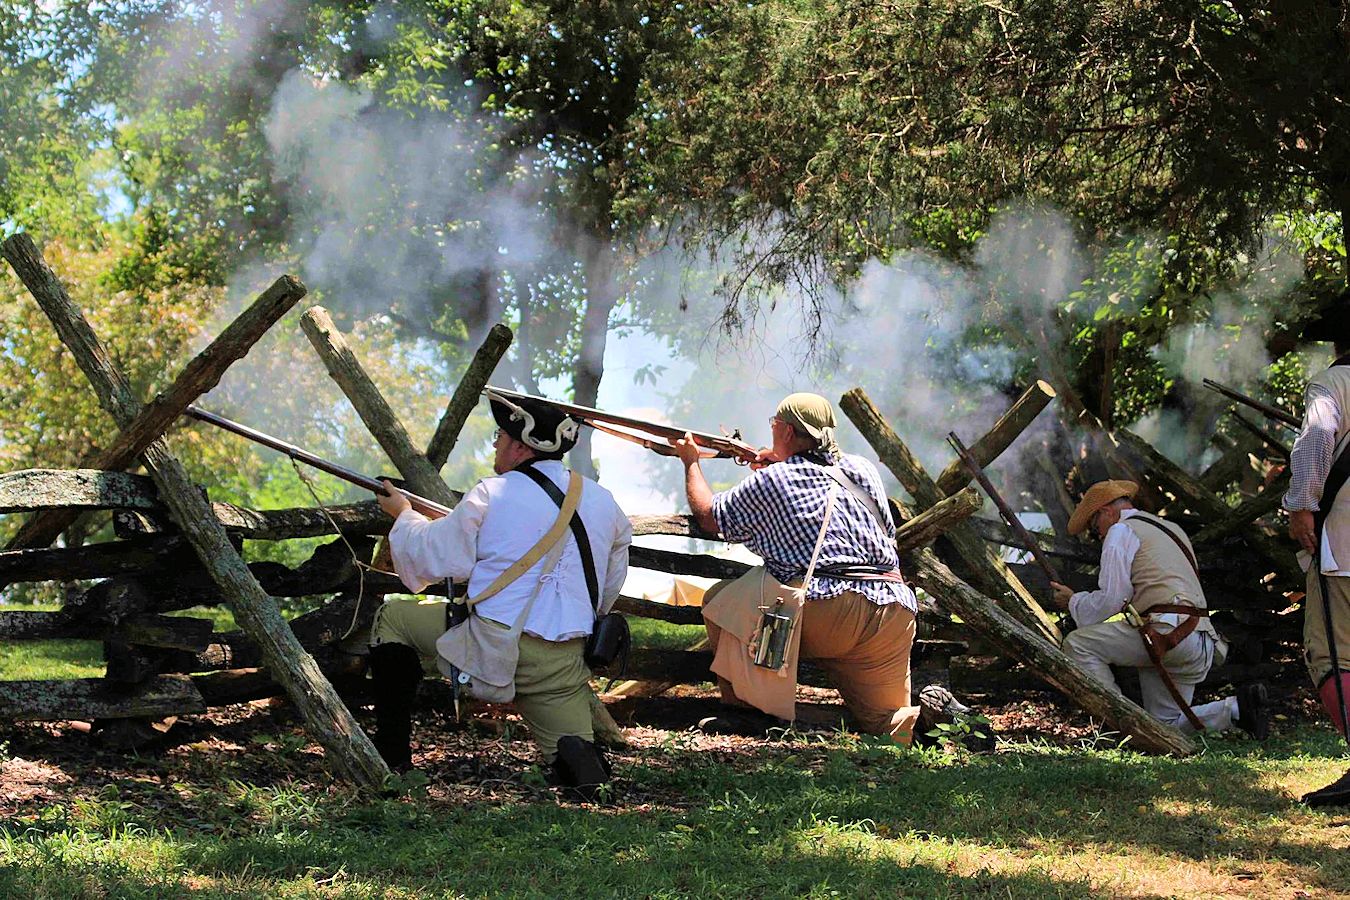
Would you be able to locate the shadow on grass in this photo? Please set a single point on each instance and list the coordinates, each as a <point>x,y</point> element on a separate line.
<point>810,816</point>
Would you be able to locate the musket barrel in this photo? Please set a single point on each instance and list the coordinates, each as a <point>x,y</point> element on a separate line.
<point>422,504</point>
<point>1269,411</point>
<point>1004,509</point>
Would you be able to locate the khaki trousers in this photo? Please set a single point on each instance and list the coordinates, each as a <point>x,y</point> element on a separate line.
<point>552,681</point>
<point>1098,647</point>
<point>864,648</point>
<point>1316,647</point>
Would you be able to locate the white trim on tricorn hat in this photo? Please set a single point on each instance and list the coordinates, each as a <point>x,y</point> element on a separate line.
<point>535,424</point>
<point>1097,496</point>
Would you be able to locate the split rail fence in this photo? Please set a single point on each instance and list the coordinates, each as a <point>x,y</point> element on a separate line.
<point>174,550</point>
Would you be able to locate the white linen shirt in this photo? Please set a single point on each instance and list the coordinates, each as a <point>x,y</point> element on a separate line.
<point>1310,462</point>
<point>1115,588</point>
<point>496,524</point>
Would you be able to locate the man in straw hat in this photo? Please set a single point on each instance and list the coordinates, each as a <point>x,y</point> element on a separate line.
<point>829,591</point>
<point>1148,572</point>
<point>553,602</point>
<point>1319,520</point>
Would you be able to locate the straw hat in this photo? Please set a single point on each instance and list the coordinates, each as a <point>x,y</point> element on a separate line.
<point>1097,496</point>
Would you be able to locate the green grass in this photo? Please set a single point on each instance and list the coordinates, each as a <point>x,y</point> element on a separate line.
<point>816,818</point>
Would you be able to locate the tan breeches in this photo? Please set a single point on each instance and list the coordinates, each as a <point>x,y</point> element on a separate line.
<point>1316,647</point>
<point>552,681</point>
<point>864,648</point>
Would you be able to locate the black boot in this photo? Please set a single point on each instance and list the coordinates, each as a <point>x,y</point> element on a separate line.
<point>1335,794</point>
<point>581,768</point>
<point>741,722</point>
<point>1253,703</point>
<point>395,672</point>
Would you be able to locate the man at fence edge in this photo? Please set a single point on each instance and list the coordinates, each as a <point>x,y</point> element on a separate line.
<point>499,521</point>
<point>1319,520</point>
<point>1148,572</point>
<point>855,617</point>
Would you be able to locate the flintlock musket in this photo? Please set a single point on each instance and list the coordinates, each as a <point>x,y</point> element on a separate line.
<point>1018,529</point>
<point>429,508</point>
<point>1270,412</point>
<point>715,446</point>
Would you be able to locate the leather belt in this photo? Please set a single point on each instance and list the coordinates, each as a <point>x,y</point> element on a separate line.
<point>860,572</point>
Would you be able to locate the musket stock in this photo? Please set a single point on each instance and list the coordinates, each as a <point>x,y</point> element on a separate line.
<point>428,508</point>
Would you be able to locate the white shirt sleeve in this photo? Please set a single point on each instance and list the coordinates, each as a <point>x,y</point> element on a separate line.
<point>1314,450</point>
<point>429,550</point>
<point>617,570</point>
<point>1114,585</point>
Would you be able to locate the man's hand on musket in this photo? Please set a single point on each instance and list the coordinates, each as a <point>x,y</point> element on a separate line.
<point>1060,595</point>
<point>765,456</point>
<point>1302,529</point>
<point>392,500</point>
<point>687,450</point>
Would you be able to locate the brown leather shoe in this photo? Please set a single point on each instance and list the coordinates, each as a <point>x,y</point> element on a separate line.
<point>741,722</point>
<point>939,706</point>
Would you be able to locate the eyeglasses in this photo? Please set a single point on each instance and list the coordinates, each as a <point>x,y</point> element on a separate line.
<point>497,434</point>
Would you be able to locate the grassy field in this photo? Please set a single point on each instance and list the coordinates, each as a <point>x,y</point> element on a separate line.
<point>242,806</point>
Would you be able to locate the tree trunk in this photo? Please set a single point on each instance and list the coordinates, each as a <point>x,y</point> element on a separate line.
<point>602,294</point>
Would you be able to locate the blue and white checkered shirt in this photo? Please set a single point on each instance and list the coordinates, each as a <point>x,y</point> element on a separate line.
<point>777,511</point>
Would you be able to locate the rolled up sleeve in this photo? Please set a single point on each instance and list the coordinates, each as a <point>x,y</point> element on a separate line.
<point>428,550</point>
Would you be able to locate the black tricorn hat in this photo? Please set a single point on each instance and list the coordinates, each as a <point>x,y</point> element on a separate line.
<point>1332,324</point>
<point>534,423</point>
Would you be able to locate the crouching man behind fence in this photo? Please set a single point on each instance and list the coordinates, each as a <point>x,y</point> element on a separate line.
<point>829,590</point>
<point>1148,571</point>
<point>544,552</point>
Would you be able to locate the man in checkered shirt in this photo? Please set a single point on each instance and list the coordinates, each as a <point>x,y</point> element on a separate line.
<point>858,619</point>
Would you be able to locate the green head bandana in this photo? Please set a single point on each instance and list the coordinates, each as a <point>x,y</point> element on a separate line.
<point>810,414</point>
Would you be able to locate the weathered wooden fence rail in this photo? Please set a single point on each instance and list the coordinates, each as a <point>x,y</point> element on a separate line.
<point>175,550</point>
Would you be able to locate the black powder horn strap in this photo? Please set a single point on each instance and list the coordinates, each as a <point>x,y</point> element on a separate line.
<point>578,531</point>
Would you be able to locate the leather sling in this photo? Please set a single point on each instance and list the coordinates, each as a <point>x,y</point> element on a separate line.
<point>1157,644</point>
<point>859,571</point>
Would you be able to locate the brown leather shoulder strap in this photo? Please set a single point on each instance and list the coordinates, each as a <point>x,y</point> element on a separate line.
<point>1181,545</point>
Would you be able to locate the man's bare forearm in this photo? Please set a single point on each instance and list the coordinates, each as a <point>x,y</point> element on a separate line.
<point>700,497</point>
